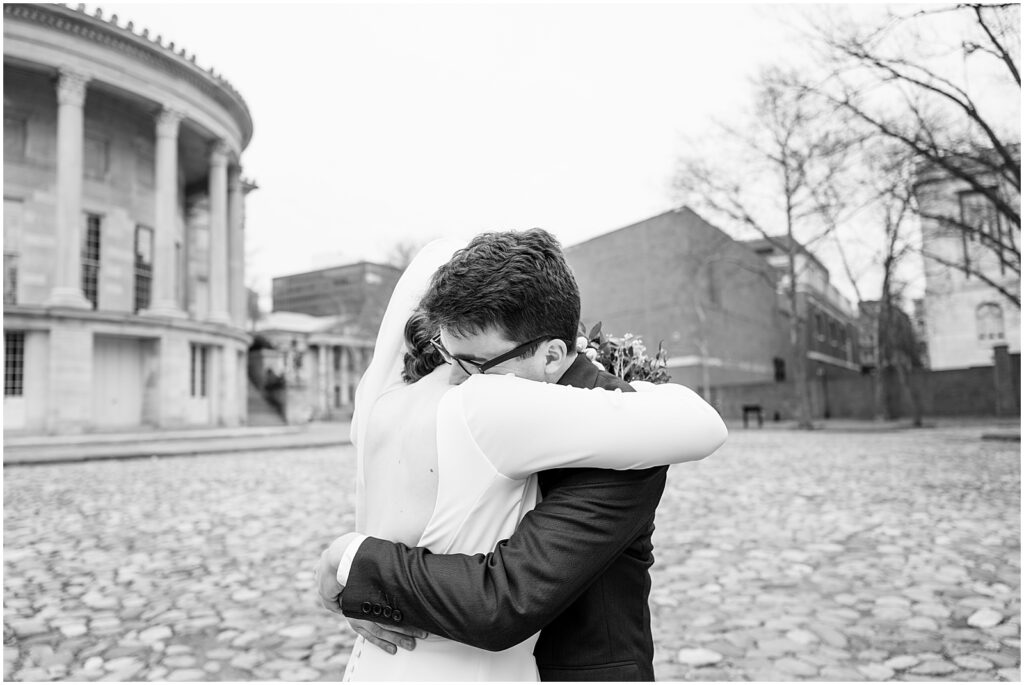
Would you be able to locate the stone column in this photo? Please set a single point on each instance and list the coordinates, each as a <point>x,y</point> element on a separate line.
<point>346,393</point>
<point>323,391</point>
<point>219,234</point>
<point>66,286</point>
<point>236,247</point>
<point>165,300</point>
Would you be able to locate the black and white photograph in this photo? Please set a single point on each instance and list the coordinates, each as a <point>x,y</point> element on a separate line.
<point>512,341</point>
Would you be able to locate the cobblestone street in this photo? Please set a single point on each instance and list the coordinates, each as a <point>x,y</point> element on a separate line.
<point>787,556</point>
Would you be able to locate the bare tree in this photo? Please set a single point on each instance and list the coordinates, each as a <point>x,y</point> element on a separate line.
<point>886,189</point>
<point>899,83</point>
<point>774,186</point>
<point>402,252</point>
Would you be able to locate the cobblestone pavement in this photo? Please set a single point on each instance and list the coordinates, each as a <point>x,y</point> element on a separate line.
<point>787,556</point>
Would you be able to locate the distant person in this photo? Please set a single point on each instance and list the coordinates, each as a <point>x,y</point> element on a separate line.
<point>447,464</point>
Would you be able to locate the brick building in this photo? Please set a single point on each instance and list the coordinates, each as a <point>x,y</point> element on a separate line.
<point>832,330</point>
<point>676,278</point>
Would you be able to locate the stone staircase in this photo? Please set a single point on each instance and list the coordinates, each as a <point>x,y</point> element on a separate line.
<point>261,412</point>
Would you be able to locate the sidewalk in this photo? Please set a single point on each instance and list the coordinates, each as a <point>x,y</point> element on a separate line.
<point>988,428</point>
<point>24,449</point>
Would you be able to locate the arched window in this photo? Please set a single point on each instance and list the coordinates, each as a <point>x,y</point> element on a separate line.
<point>989,317</point>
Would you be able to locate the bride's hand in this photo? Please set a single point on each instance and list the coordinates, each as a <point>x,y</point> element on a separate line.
<point>327,584</point>
<point>389,637</point>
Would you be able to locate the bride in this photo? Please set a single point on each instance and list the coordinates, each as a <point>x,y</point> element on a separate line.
<point>451,467</point>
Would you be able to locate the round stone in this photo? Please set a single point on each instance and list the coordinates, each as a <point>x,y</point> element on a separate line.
<point>298,631</point>
<point>186,674</point>
<point>803,637</point>
<point>74,630</point>
<point>902,662</point>
<point>985,618</point>
<point>698,657</point>
<point>179,661</point>
<point>973,663</point>
<point>934,667</point>
<point>876,671</point>
<point>155,634</point>
<point>793,666</point>
<point>922,623</point>
<point>301,674</point>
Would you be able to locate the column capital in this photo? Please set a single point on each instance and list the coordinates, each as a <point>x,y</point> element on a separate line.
<point>167,122</point>
<point>219,151</point>
<point>71,88</point>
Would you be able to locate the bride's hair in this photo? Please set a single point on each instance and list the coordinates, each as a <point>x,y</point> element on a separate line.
<point>421,357</point>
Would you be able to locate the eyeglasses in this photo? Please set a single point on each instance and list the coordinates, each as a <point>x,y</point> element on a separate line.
<point>482,367</point>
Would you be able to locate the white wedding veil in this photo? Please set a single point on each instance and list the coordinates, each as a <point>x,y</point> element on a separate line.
<point>385,369</point>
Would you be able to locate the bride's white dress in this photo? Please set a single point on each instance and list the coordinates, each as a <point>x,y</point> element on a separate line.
<point>493,434</point>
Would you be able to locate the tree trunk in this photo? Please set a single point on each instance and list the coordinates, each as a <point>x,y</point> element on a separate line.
<point>881,405</point>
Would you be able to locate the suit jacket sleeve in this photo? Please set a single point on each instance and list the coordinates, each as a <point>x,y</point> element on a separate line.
<point>494,601</point>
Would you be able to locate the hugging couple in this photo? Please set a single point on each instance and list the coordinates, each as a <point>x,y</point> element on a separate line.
<point>506,486</point>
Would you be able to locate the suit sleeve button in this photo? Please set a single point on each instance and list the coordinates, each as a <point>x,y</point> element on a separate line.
<point>376,609</point>
<point>387,611</point>
<point>397,615</point>
<point>366,607</point>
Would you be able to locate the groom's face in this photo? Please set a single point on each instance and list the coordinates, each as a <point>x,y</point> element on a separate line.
<point>484,346</point>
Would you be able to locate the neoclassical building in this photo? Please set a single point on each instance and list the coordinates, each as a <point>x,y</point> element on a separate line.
<point>124,303</point>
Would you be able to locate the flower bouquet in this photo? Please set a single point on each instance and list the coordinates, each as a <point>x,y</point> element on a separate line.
<point>626,357</point>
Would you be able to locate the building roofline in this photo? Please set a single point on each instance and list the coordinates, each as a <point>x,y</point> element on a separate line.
<point>675,210</point>
<point>109,32</point>
<point>339,266</point>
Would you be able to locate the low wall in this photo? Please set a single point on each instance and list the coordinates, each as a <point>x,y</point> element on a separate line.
<point>976,391</point>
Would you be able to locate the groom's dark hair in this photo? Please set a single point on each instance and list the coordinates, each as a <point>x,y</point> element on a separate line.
<point>516,281</point>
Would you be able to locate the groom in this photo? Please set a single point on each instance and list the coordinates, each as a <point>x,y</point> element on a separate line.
<point>577,566</point>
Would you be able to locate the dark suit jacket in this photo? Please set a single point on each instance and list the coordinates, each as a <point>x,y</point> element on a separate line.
<point>577,566</point>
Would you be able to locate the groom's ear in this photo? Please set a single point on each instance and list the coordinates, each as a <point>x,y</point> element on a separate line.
<point>555,353</point>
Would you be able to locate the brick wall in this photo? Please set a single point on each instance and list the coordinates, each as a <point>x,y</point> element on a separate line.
<point>676,278</point>
<point>950,392</point>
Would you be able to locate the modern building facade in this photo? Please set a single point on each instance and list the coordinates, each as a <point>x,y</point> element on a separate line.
<point>677,279</point>
<point>966,317</point>
<point>358,292</point>
<point>124,303</point>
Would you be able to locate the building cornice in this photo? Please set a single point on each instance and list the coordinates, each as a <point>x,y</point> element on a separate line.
<point>140,47</point>
<point>40,318</point>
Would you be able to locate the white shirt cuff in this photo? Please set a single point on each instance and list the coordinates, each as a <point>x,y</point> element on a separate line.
<point>347,557</point>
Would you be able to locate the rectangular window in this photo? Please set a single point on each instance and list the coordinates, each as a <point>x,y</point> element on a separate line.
<point>145,163</point>
<point>95,155</point>
<point>15,137</point>
<point>337,359</point>
<point>779,365</point>
<point>12,248</point>
<point>14,363</point>
<point>982,224</point>
<point>143,267</point>
<point>337,397</point>
<point>91,259</point>
<point>198,369</point>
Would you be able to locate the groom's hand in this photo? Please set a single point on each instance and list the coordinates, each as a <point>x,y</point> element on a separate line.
<point>388,638</point>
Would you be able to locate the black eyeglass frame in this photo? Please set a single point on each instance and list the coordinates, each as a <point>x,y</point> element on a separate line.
<point>482,367</point>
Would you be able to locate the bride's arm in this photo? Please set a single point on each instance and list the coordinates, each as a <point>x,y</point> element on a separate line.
<point>527,426</point>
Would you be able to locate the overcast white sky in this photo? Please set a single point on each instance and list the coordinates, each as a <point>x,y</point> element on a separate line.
<point>381,123</point>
